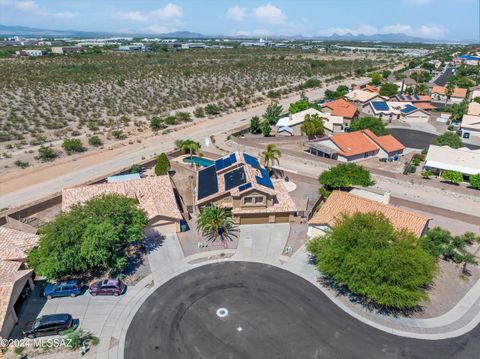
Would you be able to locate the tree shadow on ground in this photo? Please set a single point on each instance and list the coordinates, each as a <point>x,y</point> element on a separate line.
<point>137,252</point>
<point>365,302</point>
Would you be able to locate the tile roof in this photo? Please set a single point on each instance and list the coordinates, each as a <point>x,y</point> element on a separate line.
<point>14,246</point>
<point>370,88</point>
<point>387,142</point>
<point>339,203</point>
<point>473,108</point>
<point>457,92</point>
<point>414,99</point>
<point>353,143</point>
<point>154,195</point>
<point>424,106</point>
<point>342,108</point>
<point>363,96</point>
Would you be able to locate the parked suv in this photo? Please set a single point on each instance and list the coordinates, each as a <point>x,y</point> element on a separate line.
<point>48,325</point>
<point>70,288</point>
<point>107,287</point>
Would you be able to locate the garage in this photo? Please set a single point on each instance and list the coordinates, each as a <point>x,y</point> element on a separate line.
<point>254,219</point>
<point>282,218</point>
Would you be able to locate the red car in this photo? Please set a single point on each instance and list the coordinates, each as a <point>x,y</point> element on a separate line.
<point>107,287</point>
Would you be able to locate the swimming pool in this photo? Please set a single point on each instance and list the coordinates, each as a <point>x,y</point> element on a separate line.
<point>199,161</point>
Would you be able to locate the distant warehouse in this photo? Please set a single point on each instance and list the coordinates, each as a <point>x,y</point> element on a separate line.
<point>66,50</point>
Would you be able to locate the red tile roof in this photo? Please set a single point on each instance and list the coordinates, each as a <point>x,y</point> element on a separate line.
<point>457,92</point>
<point>342,108</point>
<point>424,106</point>
<point>387,142</point>
<point>371,88</point>
<point>353,143</point>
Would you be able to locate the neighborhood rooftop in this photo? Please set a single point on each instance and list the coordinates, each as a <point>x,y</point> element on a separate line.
<point>463,159</point>
<point>14,246</point>
<point>154,194</point>
<point>340,202</point>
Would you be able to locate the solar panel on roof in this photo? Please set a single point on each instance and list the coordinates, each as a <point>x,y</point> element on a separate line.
<point>265,179</point>
<point>233,158</point>
<point>207,182</point>
<point>224,162</point>
<point>380,105</point>
<point>245,186</point>
<point>417,97</point>
<point>408,108</point>
<point>401,97</point>
<point>234,178</point>
<point>409,97</point>
<point>252,161</point>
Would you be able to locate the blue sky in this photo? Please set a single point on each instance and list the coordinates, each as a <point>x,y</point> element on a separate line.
<point>437,19</point>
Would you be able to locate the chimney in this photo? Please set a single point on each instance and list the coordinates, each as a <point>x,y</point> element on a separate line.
<point>386,198</point>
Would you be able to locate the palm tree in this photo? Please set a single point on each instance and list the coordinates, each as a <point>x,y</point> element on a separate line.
<point>187,146</point>
<point>449,89</point>
<point>214,222</point>
<point>271,155</point>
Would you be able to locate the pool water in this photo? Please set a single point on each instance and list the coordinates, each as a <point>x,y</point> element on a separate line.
<point>199,161</point>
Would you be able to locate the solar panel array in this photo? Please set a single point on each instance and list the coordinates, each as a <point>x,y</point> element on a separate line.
<point>265,179</point>
<point>408,108</point>
<point>234,178</point>
<point>245,186</point>
<point>401,97</point>
<point>225,162</point>
<point>252,161</point>
<point>380,105</point>
<point>207,182</point>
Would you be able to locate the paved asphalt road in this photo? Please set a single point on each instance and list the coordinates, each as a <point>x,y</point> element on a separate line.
<point>417,139</point>
<point>272,314</point>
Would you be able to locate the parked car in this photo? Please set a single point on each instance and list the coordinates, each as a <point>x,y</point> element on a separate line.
<point>48,325</point>
<point>107,287</point>
<point>70,288</point>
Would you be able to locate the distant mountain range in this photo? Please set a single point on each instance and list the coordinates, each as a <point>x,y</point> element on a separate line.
<point>33,32</point>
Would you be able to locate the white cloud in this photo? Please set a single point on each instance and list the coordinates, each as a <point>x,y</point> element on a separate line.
<point>131,16</point>
<point>431,31</point>
<point>170,14</point>
<point>236,13</point>
<point>169,11</point>
<point>27,6</point>
<point>64,14</point>
<point>270,13</point>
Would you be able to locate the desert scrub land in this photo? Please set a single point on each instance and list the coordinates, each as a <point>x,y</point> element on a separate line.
<point>114,95</point>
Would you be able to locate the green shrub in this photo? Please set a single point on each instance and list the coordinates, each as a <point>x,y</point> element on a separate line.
<point>373,260</point>
<point>46,154</point>
<point>475,181</point>
<point>162,165</point>
<point>452,176</point>
<point>71,145</point>
<point>79,336</point>
<point>95,141</point>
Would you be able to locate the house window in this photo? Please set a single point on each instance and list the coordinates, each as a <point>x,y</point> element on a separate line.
<point>258,200</point>
<point>248,200</point>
